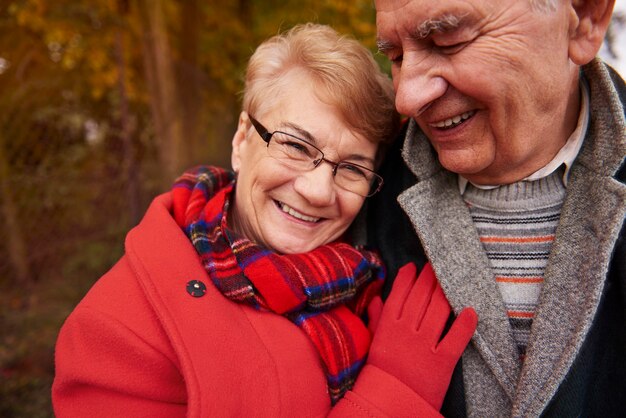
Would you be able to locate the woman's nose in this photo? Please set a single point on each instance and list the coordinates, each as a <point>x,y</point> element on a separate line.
<point>317,186</point>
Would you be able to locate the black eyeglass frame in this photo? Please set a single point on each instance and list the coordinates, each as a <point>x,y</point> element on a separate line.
<point>266,135</point>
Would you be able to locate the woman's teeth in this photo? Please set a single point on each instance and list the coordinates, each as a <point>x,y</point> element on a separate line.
<point>296,214</point>
<point>455,121</point>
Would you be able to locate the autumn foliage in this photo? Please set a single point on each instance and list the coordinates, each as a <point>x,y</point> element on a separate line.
<point>102,104</point>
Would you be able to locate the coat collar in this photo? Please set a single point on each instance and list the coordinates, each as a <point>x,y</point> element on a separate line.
<point>450,241</point>
<point>591,219</point>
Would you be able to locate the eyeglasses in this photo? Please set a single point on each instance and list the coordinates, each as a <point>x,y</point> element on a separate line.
<point>301,155</point>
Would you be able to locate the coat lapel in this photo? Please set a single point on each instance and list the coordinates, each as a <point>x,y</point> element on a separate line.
<point>451,243</point>
<point>591,219</point>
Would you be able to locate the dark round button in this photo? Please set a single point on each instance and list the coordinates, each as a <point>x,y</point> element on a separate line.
<point>196,288</point>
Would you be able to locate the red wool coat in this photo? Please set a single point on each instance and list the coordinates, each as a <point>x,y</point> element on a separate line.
<point>140,345</point>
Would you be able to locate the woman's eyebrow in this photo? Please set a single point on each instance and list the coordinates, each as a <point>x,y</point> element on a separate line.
<point>304,134</point>
<point>359,159</point>
<point>300,131</point>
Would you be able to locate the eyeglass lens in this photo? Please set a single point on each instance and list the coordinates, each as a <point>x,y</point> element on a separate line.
<point>297,153</point>
<point>301,155</point>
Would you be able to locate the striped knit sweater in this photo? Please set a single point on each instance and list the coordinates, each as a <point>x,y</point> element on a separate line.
<point>516,224</point>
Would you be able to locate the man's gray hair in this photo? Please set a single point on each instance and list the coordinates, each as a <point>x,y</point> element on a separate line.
<point>543,5</point>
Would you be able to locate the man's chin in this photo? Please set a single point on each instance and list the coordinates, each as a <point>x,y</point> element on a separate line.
<point>463,167</point>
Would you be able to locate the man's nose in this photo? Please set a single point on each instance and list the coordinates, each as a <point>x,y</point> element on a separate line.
<point>417,85</point>
<point>317,186</point>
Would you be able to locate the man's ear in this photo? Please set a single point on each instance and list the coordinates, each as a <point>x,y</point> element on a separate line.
<point>589,21</point>
<point>239,141</point>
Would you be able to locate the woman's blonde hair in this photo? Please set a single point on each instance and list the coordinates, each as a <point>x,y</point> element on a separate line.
<point>345,73</point>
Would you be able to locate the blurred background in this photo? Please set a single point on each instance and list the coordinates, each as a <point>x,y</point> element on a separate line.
<point>102,104</point>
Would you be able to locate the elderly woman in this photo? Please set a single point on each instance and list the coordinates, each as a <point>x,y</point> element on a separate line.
<point>238,294</point>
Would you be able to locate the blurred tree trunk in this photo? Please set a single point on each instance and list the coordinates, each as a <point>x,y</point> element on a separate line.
<point>190,80</point>
<point>159,68</point>
<point>245,11</point>
<point>15,240</point>
<point>224,118</point>
<point>129,163</point>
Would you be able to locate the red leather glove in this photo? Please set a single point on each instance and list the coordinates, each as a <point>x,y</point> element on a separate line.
<point>407,333</point>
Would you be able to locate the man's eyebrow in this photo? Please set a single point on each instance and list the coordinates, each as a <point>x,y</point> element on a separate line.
<point>384,45</point>
<point>442,24</point>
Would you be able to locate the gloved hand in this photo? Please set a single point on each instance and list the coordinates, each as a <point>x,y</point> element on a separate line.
<point>407,333</point>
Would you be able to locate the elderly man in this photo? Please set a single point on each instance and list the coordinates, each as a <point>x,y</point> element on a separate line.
<point>510,179</point>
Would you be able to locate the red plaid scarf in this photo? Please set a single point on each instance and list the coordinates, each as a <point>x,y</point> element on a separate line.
<point>323,291</point>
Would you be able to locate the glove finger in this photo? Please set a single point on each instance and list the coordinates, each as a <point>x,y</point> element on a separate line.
<point>374,311</point>
<point>460,334</point>
<point>435,318</point>
<point>420,295</point>
<point>400,290</point>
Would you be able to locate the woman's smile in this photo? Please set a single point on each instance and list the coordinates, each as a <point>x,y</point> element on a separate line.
<point>296,214</point>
